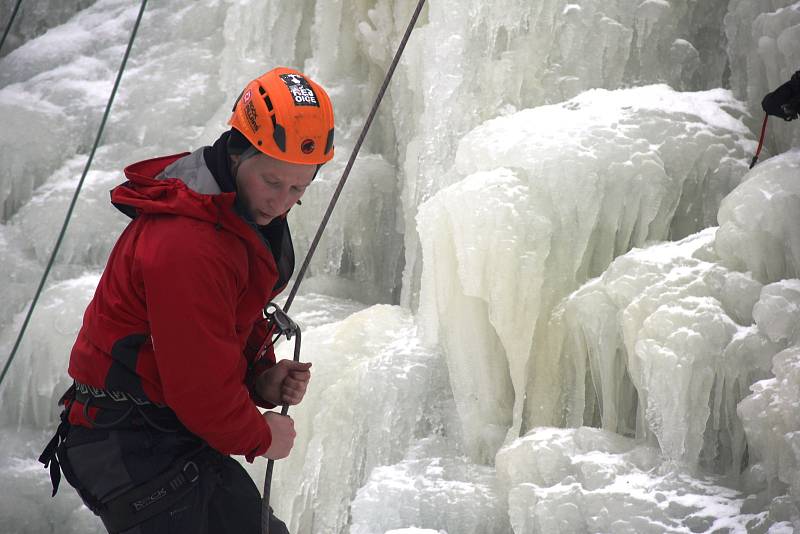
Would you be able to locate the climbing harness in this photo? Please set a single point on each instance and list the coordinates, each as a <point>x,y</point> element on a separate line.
<point>10,22</point>
<point>280,315</point>
<point>74,197</point>
<point>146,500</point>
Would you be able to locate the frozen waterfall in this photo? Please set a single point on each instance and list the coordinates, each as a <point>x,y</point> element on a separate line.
<point>553,298</point>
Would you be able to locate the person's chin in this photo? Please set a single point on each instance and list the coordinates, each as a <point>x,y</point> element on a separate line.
<point>262,219</point>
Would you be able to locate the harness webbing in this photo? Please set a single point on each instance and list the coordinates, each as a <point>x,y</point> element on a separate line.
<point>75,196</point>
<point>266,510</point>
<point>10,22</point>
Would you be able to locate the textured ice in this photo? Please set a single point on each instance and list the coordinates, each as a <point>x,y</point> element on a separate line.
<point>771,418</point>
<point>559,198</point>
<point>759,221</point>
<point>376,390</point>
<point>37,380</point>
<point>472,61</point>
<point>628,329</point>
<point>434,488</point>
<point>552,195</point>
<point>24,484</point>
<point>659,312</point>
<point>591,480</point>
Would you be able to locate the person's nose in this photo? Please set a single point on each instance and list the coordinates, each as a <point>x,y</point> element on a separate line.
<point>281,201</point>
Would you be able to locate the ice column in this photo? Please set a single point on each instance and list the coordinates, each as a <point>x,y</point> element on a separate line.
<point>551,196</point>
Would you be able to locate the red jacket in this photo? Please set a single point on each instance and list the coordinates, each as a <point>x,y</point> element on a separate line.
<point>171,317</point>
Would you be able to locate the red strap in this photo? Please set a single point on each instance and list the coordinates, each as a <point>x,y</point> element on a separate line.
<point>760,141</point>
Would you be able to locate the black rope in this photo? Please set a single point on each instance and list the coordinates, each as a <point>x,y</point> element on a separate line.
<point>10,22</point>
<point>353,155</point>
<point>75,196</point>
<point>266,510</point>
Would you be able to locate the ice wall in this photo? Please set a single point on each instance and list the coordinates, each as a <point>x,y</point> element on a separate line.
<point>34,18</point>
<point>377,390</point>
<point>551,196</point>
<point>475,60</point>
<point>520,201</point>
<point>726,341</point>
<point>759,221</point>
<point>668,310</point>
<point>590,480</point>
<point>52,93</point>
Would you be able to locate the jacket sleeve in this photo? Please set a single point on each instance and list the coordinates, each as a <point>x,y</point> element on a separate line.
<point>192,283</point>
<point>257,363</point>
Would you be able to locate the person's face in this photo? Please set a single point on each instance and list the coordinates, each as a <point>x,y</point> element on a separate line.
<point>269,187</point>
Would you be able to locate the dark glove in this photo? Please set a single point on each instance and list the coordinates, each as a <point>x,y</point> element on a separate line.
<point>784,102</point>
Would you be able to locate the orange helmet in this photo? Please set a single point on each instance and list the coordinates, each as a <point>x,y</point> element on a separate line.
<point>287,116</point>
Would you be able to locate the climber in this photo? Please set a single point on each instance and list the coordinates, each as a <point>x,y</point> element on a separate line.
<point>173,360</point>
<point>784,102</point>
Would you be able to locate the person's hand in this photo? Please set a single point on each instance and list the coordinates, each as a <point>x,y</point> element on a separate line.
<point>284,383</point>
<point>283,434</point>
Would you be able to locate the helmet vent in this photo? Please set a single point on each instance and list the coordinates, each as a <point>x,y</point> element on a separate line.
<point>279,135</point>
<point>268,102</point>
<point>329,141</point>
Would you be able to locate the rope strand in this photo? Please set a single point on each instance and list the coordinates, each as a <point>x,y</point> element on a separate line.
<point>10,22</point>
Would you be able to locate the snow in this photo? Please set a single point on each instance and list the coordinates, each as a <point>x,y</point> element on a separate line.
<point>432,487</point>
<point>591,480</point>
<point>552,296</point>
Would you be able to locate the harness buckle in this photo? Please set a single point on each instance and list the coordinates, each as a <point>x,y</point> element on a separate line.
<point>191,471</point>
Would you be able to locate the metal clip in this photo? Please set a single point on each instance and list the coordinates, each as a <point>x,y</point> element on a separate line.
<point>283,323</point>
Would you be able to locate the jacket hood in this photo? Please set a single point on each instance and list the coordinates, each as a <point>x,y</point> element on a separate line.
<point>197,195</point>
<point>147,192</point>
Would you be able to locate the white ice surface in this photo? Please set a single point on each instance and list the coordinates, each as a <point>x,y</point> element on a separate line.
<point>591,480</point>
<point>759,221</point>
<point>432,487</point>
<point>376,390</point>
<point>554,194</point>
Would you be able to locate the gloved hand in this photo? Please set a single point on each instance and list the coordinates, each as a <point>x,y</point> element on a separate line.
<point>784,102</point>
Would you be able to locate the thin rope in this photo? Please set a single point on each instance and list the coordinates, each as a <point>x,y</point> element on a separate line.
<point>266,511</point>
<point>75,196</point>
<point>10,22</point>
<point>353,155</point>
